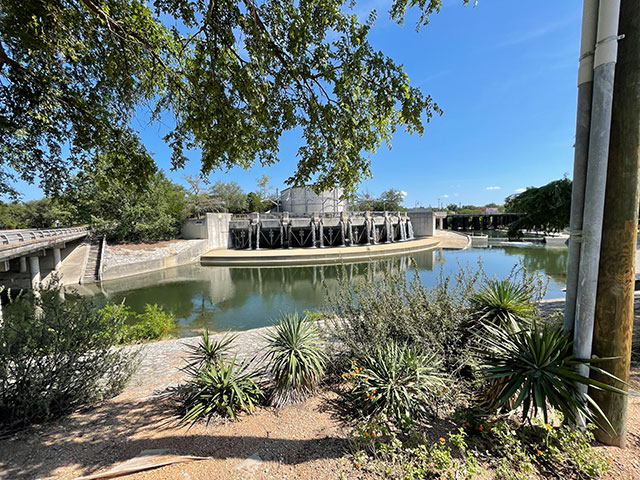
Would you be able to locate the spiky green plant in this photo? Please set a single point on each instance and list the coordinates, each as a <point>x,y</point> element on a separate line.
<point>503,303</point>
<point>537,367</point>
<point>223,387</point>
<point>296,358</point>
<point>208,351</point>
<point>400,383</point>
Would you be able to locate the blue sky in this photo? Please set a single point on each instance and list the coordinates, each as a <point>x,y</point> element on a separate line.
<point>504,73</point>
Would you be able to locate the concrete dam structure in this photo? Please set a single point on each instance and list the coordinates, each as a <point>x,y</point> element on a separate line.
<point>280,231</point>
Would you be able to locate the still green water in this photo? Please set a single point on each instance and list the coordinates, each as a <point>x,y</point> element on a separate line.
<point>224,298</point>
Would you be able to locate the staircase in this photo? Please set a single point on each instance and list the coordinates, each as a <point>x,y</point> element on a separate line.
<point>92,268</point>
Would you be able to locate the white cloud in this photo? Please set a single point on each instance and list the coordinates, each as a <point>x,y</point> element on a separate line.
<point>403,193</point>
<point>519,190</point>
<point>445,196</point>
<point>456,194</point>
<point>493,188</point>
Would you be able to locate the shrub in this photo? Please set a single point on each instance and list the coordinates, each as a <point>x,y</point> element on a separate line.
<point>208,351</point>
<point>153,324</point>
<point>57,355</point>
<point>504,303</point>
<point>392,308</point>
<point>537,365</point>
<point>223,387</point>
<point>397,383</point>
<point>521,451</point>
<point>297,360</point>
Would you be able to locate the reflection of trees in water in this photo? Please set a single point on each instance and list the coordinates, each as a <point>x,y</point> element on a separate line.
<point>550,261</point>
<point>196,294</point>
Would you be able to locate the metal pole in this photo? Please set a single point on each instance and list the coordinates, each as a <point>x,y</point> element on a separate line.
<point>616,278</point>
<point>583,122</point>
<point>604,71</point>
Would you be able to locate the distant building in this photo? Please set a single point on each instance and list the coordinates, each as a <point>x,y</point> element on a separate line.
<point>304,201</point>
<point>489,210</point>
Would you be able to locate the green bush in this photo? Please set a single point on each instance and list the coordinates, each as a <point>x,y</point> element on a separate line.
<point>537,368</point>
<point>297,360</point>
<point>397,383</point>
<point>519,451</point>
<point>223,387</point>
<point>208,351</point>
<point>392,308</point>
<point>153,324</point>
<point>57,355</point>
<point>504,303</point>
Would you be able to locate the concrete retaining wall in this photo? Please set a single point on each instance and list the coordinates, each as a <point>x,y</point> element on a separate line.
<point>217,225</point>
<point>193,228</point>
<point>119,262</point>
<point>424,223</point>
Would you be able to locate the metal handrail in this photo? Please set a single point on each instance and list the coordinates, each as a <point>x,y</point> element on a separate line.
<point>21,236</point>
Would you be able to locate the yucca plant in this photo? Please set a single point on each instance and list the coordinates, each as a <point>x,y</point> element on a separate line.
<point>222,387</point>
<point>537,368</point>
<point>399,383</point>
<point>208,351</point>
<point>296,359</point>
<point>503,303</point>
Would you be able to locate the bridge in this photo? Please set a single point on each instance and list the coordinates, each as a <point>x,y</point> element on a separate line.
<point>23,251</point>
<point>477,221</point>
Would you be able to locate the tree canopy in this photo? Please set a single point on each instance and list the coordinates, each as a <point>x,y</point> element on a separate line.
<point>226,77</point>
<point>547,208</point>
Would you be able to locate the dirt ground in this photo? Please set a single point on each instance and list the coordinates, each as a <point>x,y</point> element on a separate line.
<point>305,441</point>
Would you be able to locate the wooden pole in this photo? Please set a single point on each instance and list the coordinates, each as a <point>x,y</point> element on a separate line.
<point>616,279</point>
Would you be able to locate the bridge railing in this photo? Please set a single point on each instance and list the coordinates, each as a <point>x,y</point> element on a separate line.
<point>20,236</point>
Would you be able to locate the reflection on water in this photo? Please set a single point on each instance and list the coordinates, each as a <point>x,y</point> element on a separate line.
<point>223,298</point>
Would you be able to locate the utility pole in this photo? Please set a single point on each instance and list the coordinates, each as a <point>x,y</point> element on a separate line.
<point>616,277</point>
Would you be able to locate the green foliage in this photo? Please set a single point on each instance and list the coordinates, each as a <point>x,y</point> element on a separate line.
<point>208,351</point>
<point>392,308</point>
<point>44,213</point>
<point>153,324</point>
<point>58,355</point>
<point>547,208</point>
<point>390,201</point>
<point>223,387</point>
<point>504,303</point>
<point>398,383</point>
<point>232,78</point>
<point>198,201</point>
<point>296,358</point>
<point>230,195</point>
<point>124,212</point>
<point>537,366</point>
<point>522,451</point>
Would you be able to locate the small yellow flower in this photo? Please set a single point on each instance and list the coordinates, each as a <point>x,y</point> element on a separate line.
<point>442,440</point>
<point>373,391</point>
<point>366,379</point>
<point>357,465</point>
<point>548,426</point>
<point>480,428</point>
<point>373,434</point>
<point>473,395</point>
<point>467,424</point>
<point>610,459</point>
<point>539,452</point>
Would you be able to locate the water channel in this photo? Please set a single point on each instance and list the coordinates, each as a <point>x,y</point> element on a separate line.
<point>224,298</point>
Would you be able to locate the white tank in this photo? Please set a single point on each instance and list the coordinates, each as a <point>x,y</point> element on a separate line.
<point>304,201</point>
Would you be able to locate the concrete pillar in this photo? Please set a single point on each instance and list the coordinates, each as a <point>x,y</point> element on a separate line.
<point>23,264</point>
<point>34,269</point>
<point>57,259</point>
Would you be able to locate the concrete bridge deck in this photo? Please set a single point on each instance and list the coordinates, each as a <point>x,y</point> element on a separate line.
<point>22,243</point>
